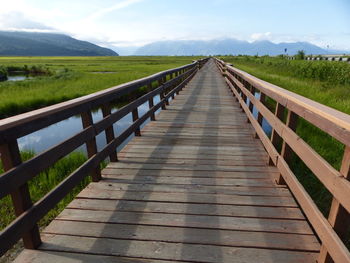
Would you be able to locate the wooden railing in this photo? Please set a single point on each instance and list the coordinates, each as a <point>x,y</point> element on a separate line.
<point>335,123</point>
<point>14,181</point>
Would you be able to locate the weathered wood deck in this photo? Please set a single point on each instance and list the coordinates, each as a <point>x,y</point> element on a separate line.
<point>195,187</point>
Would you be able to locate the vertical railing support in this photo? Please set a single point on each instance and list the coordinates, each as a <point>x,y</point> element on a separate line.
<point>106,111</point>
<point>251,105</point>
<point>338,217</point>
<point>275,138</point>
<point>161,95</point>
<point>286,151</point>
<point>166,91</point>
<point>260,116</point>
<point>91,146</point>
<point>151,103</point>
<point>135,117</point>
<point>11,157</point>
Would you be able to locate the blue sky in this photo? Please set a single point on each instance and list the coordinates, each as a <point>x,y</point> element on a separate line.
<point>137,22</point>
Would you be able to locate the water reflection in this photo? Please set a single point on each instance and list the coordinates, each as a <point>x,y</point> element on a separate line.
<point>17,77</point>
<point>44,139</point>
<point>265,125</point>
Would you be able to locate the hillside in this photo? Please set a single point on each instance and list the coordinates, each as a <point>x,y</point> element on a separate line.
<point>47,44</point>
<point>225,47</point>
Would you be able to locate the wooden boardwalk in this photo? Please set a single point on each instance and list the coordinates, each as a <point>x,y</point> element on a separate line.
<point>195,187</point>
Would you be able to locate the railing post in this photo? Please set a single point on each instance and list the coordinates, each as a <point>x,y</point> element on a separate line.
<point>171,77</point>
<point>151,103</point>
<point>178,82</point>
<point>91,147</point>
<point>161,95</point>
<point>251,105</point>
<point>11,157</point>
<point>106,111</point>
<point>260,117</point>
<point>286,151</point>
<point>165,91</point>
<point>338,217</point>
<point>135,117</point>
<point>245,99</point>
<point>275,138</point>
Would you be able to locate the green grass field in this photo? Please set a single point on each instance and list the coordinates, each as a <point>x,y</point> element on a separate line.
<point>326,82</point>
<point>72,77</point>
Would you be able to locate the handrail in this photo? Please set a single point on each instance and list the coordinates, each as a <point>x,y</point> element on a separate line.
<point>17,173</point>
<point>333,122</point>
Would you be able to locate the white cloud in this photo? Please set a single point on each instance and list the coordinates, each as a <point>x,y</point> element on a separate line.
<point>104,11</point>
<point>15,20</point>
<point>261,36</point>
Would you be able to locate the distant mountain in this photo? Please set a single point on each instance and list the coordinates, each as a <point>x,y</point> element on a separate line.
<point>47,44</point>
<point>226,47</point>
<point>124,51</point>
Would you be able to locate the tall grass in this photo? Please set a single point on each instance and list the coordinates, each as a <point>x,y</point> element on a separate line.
<point>43,183</point>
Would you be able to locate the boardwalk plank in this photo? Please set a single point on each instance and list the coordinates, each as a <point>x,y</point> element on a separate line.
<point>211,222</point>
<point>183,235</point>
<point>171,251</point>
<point>189,197</point>
<point>183,208</point>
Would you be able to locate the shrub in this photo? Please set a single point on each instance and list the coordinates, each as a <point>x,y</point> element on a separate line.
<point>3,74</point>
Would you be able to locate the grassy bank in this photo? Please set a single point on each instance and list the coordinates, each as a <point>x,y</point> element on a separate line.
<point>72,77</point>
<point>322,81</point>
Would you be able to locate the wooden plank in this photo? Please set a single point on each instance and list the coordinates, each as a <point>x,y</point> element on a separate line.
<point>173,220</point>
<point>171,251</point>
<point>237,168</point>
<point>214,163</point>
<point>178,235</point>
<point>193,174</point>
<point>39,256</point>
<point>188,198</point>
<point>183,208</point>
<point>209,140</point>
<point>189,180</point>
<point>219,149</point>
<point>194,188</point>
<point>125,155</point>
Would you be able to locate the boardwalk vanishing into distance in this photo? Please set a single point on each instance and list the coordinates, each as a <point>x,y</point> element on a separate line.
<point>200,183</point>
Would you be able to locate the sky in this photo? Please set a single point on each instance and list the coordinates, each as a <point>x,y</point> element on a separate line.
<point>137,22</point>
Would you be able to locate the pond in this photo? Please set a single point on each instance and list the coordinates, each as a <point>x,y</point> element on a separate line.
<point>43,139</point>
<point>17,77</point>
